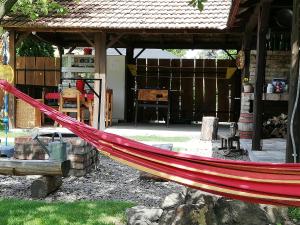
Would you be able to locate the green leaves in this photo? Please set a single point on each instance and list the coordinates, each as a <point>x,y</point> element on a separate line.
<point>198,4</point>
<point>36,8</point>
<point>33,47</point>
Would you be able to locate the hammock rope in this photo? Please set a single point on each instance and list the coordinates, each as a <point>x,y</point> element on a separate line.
<point>267,183</point>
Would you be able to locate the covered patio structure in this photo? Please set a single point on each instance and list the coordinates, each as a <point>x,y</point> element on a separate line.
<point>271,27</point>
<point>126,24</point>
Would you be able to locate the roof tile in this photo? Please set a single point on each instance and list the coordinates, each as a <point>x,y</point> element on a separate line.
<point>133,14</point>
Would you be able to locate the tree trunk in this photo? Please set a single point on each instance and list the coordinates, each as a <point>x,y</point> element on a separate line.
<point>45,185</point>
<point>5,7</point>
<point>209,129</point>
<point>34,167</point>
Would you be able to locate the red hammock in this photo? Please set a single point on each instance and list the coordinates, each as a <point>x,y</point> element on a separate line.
<point>268,183</point>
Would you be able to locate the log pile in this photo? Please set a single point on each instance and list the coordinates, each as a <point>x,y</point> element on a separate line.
<point>276,127</point>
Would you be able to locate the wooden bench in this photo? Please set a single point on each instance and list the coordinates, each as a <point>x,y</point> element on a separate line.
<point>152,98</point>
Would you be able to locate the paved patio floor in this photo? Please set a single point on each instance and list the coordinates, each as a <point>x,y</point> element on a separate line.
<point>273,149</point>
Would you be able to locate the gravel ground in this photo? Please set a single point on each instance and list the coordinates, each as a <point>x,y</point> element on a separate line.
<point>110,181</point>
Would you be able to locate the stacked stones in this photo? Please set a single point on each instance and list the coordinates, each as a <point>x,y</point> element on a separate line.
<point>245,124</point>
<point>81,154</point>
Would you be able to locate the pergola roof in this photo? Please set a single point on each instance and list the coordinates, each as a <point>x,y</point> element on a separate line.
<point>158,24</point>
<point>131,14</point>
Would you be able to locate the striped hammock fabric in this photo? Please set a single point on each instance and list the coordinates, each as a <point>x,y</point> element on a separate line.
<point>267,183</point>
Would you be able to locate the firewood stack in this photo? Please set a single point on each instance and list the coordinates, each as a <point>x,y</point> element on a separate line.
<point>276,127</point>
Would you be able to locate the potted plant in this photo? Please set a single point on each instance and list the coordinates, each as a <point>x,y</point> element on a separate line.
<point>248,88</point>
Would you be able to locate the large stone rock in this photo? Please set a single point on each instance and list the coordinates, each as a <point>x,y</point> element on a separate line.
<point>167,217</point>
<point>193,214</point>
<point>193,207</point>
<point>140,215</point>
<point>173,200</point>
<point>233,212</point>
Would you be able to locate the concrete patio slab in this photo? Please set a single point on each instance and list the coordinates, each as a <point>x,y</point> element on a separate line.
<point>273,150</point>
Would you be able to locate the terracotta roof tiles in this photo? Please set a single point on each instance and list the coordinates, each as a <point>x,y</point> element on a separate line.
<point>132,14</point>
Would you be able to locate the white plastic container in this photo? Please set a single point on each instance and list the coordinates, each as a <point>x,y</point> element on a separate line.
<point>270,88</point>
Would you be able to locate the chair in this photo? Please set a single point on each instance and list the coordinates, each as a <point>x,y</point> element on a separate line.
<point>70,102</point>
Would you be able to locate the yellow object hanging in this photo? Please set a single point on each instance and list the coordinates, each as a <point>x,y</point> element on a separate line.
<point>6,73</point>
<point>133,69</point>
<point>230,71</point>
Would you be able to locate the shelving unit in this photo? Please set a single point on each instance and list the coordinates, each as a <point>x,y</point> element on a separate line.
<point>77,66</point>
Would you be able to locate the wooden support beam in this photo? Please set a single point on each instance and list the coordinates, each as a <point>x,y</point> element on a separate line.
<point>262,29</point>
<point>135,58</point>
<point>71,49</point>
<point>100,86</point>
<point>129,83</point>
<point>228,54</point>
<point>92,44</point>
<point>12,63</point>
<point>114,40</point>
<point>118,51</point>
<point>293,81</point>
<point>34,167</point>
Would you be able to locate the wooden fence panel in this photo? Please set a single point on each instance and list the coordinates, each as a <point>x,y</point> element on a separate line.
<point>141,78</point>
<point>199,98</point>
<point>197,88</point>
<point>39,73</point>
<point>52,77</point>
<point>223,90</point>
<point>175,90</point>
<point>152,73</point>
<point>30,66</point>
<point>20,70</point>
<point>210,88</point>
<point>187,99</point>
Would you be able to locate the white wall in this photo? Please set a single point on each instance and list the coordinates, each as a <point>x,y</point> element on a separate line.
<point>116,82</point>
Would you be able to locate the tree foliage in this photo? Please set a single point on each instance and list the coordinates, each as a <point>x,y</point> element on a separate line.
<point>36,8</point>
<point>177,52</point>
<point>198,3</point>
<point>34,47</point>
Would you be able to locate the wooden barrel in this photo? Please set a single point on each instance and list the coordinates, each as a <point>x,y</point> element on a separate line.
<point>245,125</point>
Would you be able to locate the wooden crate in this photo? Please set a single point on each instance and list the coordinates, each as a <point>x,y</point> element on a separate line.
<point>27,116</point>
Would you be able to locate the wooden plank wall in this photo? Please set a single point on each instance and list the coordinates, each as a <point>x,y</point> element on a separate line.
<point>197,88</point>
<point>38,71</point>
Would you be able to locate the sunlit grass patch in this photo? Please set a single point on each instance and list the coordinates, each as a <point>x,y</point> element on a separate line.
<point>15,212</point>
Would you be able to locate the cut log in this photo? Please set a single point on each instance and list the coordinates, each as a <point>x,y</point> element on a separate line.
<point>45,185</point>
<point>34,167</point>
<point>209,128</point>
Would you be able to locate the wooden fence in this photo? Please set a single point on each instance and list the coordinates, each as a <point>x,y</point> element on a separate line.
<point>197,87</point>
<point>38,71</point>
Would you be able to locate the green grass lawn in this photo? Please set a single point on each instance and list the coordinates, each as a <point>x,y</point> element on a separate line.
<point>14,212</point>
<point>294,213</point>
<point>159,138</point>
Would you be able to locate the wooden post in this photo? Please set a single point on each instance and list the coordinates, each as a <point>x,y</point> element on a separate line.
<point>45,185</point>
<point>12,63</point>
<point>293,80</point>
<point>100,73</point>
<point>129,81</point>
<point>262,29</point>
